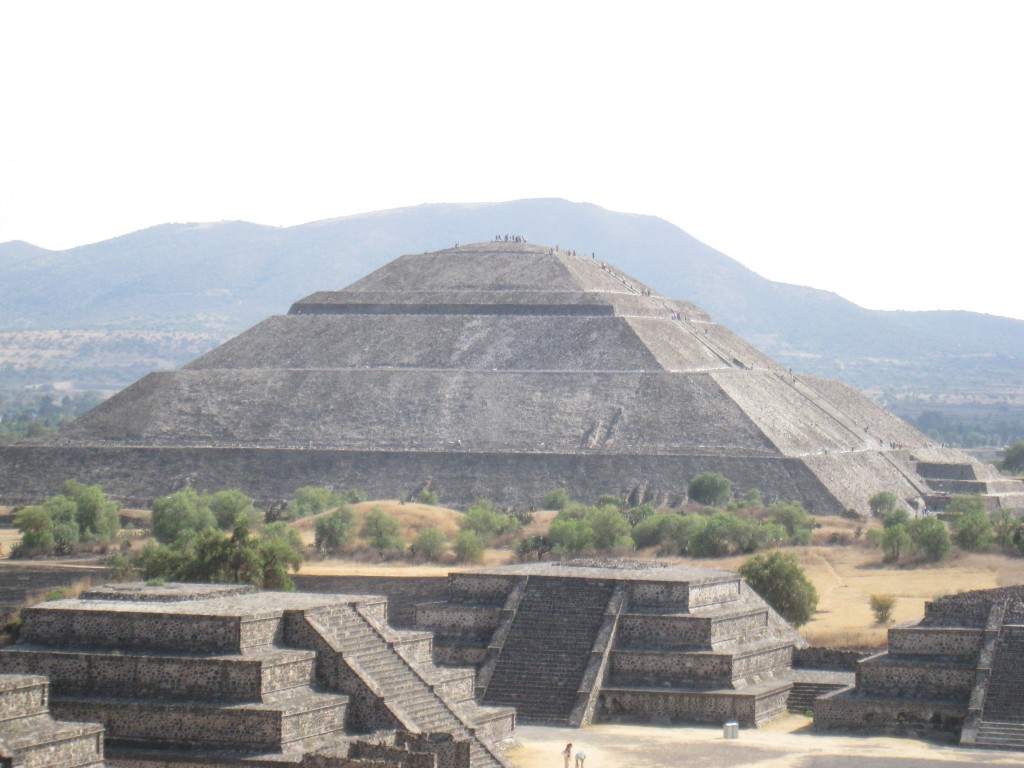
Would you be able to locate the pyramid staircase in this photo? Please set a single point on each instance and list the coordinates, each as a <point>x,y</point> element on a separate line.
<point>548,647</point>
<point>1002,717</point>
<point>30,738</point>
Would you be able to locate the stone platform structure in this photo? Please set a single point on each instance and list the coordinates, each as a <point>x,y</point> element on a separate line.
<point>497,370</point>
<point>227,676</point>
<point>959,673</point>
<point>31,738</point>
<point>584,641</point>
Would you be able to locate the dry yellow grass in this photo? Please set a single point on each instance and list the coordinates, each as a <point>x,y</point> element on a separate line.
<point>413,519</point>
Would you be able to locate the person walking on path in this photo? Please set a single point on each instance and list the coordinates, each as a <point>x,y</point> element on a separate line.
<point>567,753</point>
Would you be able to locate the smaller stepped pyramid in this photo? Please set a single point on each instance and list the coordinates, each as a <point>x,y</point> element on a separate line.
<point>585,641</point>
<point>31,738</point>
<point>231,676</point>
<point>958,673</point>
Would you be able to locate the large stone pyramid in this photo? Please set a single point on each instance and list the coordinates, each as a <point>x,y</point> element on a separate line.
<point>497,370</point>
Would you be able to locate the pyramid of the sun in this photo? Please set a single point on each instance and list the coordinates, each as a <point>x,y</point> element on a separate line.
<point>495,370</point>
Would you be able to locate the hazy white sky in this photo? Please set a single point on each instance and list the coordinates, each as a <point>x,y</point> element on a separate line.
<point>875,149</point>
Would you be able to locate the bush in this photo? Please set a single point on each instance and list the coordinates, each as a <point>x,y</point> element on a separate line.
<point>882,503</point>
<point>779,579</point>
<point>638,514</point>
<point>184,513</point>
<point>469,547</point>
<point>533,543</point>
<point>882,606</point>
<point>355,496</point>
<point>972,531</point>
<point>793,517</point>
<point>894,541</point>
<point>573,535</point>
<point>710,489</point>
<point>80,513</point>
<point>484,518</point>
<point>897,516</point>
<point>430,545</point>
<point>556,499</point>
<point>381,530</point>
<point>1013,460</point>
<point>228,505</point>
<point>334,531</point>
<point>930,537</point>
<point>966,504</point>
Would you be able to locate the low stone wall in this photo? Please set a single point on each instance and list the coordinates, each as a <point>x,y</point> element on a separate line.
<point>653,631</point>
<point>688,706</point>
<point>479,587</point>
<point>834,659</point>
<point>450,752</point>
<point>665,595</point>
<point>666,668</point>
<point>845,711</point>
<point>702,595</point>
<point>899,679</point>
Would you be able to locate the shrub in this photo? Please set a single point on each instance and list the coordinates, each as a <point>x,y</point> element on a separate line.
<point>556,499</point>
<point>484,518</point>
<point>228,505</point>
<point>430,544</point>
<point>882,503</point>
<point>793,517</point>
<point>381,530</point>
<point>894,541</point>
<point>710,489</point>
<point>611,500</point>
<point>897,516</point>
<point>571,534</point>
<point>638,514</point>
<point>882,606</point>
<point>1013,460</point>
<point>966,504</point>
<point>930,537</point>
<point>334,531</point>
<point>972,531</point>
<point>779,579</point>
<point>355,496</point>
<point>533,543</point>
<point>183,513</point>
<point>469,547</point>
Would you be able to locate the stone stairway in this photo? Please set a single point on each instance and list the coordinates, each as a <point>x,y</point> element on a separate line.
<point>381,664</point>
<point>802,695</point>
<point>547,649</point>
<point>30,738</point>
<point>1002,720</point>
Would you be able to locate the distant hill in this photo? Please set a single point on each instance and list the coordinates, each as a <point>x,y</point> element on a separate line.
<point>218,279</point>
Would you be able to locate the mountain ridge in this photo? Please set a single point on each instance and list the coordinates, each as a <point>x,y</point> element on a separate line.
<point>221,277</point>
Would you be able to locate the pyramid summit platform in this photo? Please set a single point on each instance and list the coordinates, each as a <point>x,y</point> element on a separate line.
<point>498,370</point>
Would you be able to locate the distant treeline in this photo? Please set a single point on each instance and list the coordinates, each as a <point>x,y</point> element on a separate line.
<point>966,426</point>
<point>34,413</point>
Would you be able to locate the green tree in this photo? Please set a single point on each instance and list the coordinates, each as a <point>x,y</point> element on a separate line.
<point>611,500</point>
<point>556,499</point>
<point>930,537</point>
<point>184,512</point>
<point>610,528</point>
<point>1007,528</point>
<point>638,514</point>
<point>228,505</point>
<point>381,530</point>
<point>571,534</point>
<point>972,531</point>
<point>97,517</point>
<point>894,517</point>
<point>334,530</point>
<point>779,579</point>
<point>533,543</point>
<point>430,544</point>
<point>882,504</point>
<point>1013,460</point>
<point>485,518</point>
<point>710,489</point>
<point>36,527</point>
<point>469,547</point>
<point>355,496</point>
<point>792,516</point>
<point>895,540</point>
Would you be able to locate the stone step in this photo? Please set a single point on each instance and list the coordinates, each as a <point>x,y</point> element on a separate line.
<point>22,695</point>
<point>252,726</point>
<point>137,674</point>
<point>1002,735</point>
<point>152,630</point>
<point>39,741</point>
